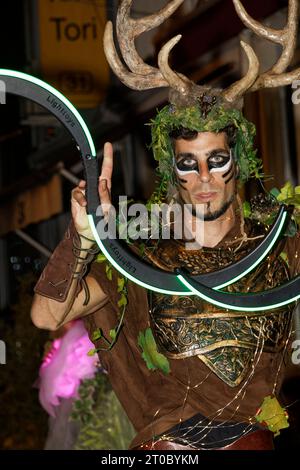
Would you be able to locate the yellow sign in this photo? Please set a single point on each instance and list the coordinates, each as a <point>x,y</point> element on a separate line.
<point>71,52</point>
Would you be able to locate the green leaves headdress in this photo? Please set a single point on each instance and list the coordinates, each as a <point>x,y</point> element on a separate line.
<point>172,117</point>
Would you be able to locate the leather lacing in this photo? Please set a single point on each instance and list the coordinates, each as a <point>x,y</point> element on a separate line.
<point>84,262</point>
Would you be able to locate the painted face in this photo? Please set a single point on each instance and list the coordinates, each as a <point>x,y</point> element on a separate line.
<point>218,161</point>
<point>206,173</point>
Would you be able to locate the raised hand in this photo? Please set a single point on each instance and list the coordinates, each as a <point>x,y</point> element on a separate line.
<point>78,199</point>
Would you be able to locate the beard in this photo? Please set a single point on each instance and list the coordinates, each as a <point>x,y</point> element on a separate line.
<point>209,216</point>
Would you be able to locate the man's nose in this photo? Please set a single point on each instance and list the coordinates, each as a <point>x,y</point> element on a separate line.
<point>204,173</point>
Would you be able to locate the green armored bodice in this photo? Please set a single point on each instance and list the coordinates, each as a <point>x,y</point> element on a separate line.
<point>226,341</point>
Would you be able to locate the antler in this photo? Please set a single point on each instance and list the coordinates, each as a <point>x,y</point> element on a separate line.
<point>176,81</point>
<point>286,37</point>
<point>140,76</point>
<point>128,29</point>
<point>238,89</point>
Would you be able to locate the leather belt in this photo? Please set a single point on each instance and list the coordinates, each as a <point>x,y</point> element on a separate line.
<point>257,440</point>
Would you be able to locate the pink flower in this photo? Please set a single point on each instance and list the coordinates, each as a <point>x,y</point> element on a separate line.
<point>65,366</point>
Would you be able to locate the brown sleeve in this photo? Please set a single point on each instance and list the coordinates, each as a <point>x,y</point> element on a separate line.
<point>292,249</point>
<point>110,288</point>
<point>97,270</point>
<point>57,276</point>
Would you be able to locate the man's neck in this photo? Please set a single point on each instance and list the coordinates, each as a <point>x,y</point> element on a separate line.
<point>210,233</point>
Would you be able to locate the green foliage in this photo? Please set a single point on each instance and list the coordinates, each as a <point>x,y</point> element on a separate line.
<point>101,258</point>
<point>274,192</point>
<point>246,209</point>
<point>171,117</point>
<point>121,284</point>
<point>288,195</point>
<point>152,357</point>
<point>83,407</point>
<point>92,352</point>
<point>123,300</point>
<point>160,192</point>
<point>122,303</point>
<point>97,334</point>
<point>104,424</point>
<point>108,270</point>
<point>283,255</point>
<point>113,334</point>
<point>272,415</point>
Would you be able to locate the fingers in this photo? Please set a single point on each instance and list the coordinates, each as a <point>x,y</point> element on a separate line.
<point>82,184</point>
<point>104,196</point>
<point>104,188</point>
<point>78,194</point>
<point>107,165</point>
<point>105,178</point>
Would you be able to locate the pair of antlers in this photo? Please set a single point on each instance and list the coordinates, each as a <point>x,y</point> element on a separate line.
<point>141,76</point>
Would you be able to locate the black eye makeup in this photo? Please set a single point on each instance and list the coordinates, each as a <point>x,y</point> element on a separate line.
<point>217,161</point>
<point>187,164</point>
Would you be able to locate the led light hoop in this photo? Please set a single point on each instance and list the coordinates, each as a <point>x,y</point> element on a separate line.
<point>161,281</point>
<point>246,302</point>
<point>118,254</point>
<point>220,279</point>
<point>32,88</point>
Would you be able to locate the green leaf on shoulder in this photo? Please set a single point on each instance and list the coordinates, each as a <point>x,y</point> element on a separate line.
<point>113,334</point>
<point>275,192</point>
<point>97,334</point>
<point>108,271</point>
<point>100,258</point>
<point>92,352</point>
<point>151,356</point>
<point>121,283</point>
<point>284,256</point>
<point>123,300</point>
<point>289,194</point>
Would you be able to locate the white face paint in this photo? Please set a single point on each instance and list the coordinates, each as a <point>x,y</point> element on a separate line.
<point>224,168</point>
<point>219,163</point>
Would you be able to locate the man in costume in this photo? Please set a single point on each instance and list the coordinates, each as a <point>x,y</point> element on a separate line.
<point>189,374</point>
